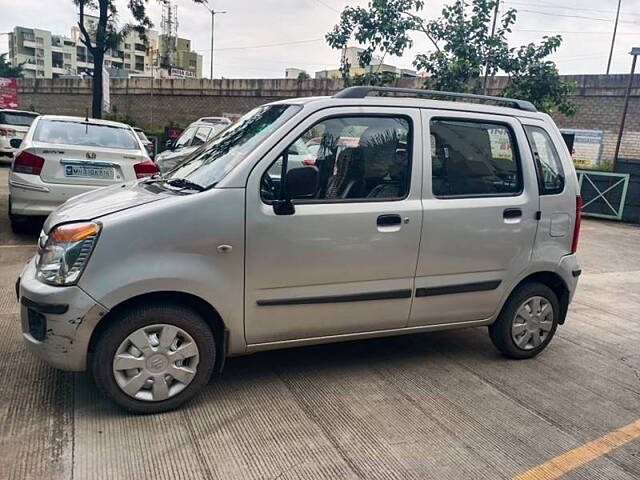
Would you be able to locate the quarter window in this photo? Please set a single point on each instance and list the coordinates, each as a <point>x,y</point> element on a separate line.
<point>547,160</point>
<point>185,138</point>
<point>201,136</point>
<point>473,159</point>
<point>357,158</point>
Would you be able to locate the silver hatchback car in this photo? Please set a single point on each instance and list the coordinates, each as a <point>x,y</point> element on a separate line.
<point>433,215</point>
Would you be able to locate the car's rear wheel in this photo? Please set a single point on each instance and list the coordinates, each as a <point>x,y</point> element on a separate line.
<point>20,224</point>
<point>153,358</point>
<point>527,322</point>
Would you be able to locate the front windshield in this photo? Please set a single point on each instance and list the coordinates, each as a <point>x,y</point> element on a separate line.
<point>208,165</point>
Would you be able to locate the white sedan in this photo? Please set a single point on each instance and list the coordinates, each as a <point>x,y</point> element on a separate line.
<point>61,157</point>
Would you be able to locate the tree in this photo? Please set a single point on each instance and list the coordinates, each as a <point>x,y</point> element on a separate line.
<point>108,35</point>
<point>6,70</point>
<point>303,76</point>
<point>463,47</point>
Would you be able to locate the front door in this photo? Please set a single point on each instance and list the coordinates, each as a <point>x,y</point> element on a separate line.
<point>480,216</point>
<point>345,260</point>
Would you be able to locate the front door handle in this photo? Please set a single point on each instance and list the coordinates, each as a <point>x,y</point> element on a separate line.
<point>510,213</point>
<point>389,220</point>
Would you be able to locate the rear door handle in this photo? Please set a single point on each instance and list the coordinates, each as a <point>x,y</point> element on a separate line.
<point>389,220</point>
<point>511,213</point>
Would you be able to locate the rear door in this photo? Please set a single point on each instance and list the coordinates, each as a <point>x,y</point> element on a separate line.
<point>479,215</point>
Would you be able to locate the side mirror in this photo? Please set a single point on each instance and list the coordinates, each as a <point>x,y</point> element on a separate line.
<point>302,182</point>
<point>299,183</point>
<point>169,144</point>
<point>15,142</point>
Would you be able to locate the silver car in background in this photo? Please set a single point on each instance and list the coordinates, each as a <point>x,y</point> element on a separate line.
<point>415,215</point>
<point>195,135</point>
<point>61,157</point>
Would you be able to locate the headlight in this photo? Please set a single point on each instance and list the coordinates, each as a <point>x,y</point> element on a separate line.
<point>63,255</point>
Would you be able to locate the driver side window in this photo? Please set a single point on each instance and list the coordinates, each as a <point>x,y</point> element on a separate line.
<point>357,158</point>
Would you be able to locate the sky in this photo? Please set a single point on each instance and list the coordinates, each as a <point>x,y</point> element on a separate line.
<point>260,38</point>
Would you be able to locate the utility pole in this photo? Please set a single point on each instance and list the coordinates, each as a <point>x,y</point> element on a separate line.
<point>213,16</point>
<point>635,52</point>
<point>613,39</point>
<point>493,32</point>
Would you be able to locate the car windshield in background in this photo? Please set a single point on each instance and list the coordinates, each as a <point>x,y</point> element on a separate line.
<point>213,161</point>
<point>142,136</point>
<point>17,119</point>
<point>65,132</point>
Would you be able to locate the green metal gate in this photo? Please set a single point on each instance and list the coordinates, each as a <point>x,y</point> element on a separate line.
<point>603,193</point>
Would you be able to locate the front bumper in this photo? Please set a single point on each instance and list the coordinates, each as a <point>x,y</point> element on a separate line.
<point>57,322</point>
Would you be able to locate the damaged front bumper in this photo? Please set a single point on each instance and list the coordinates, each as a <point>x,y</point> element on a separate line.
<point>57,322</point>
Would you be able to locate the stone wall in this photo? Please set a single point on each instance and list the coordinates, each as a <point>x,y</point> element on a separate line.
<point>153,105</point>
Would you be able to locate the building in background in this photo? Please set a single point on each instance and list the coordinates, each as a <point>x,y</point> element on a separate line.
<point>46,55</point>
<point>294,73</point>
<point>352,57</point>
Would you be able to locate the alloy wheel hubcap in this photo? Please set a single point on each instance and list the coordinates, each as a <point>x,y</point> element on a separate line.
<point>156,362</point>
<point>532,323</point>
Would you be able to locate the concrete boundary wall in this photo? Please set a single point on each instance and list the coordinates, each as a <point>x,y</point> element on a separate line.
<point>153,104</point>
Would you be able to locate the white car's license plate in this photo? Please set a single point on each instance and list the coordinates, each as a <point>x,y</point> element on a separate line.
<point>88,172</point>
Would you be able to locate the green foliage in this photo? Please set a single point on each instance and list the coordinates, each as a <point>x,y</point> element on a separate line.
<point>303,76</point>
<point>464,49</point>
<point>122,118</point>
<point>6,70</point>
<point>538,80</point>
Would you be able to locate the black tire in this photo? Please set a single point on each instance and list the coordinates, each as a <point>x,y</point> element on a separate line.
<point>500,330</point>
<point>130,320</point>
<point>23,224</point>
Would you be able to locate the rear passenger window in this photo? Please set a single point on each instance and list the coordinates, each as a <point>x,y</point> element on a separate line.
<point>473,159</point>
<point>548,164</point>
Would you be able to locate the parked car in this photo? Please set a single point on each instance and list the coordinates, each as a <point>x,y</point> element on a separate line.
<point>61,157</point>
<point>148,144</point>
<point>14,125</point>
<point>195,135</point>
<point>443,215</point>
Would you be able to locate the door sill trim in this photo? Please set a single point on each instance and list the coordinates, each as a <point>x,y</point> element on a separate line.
<point>344,337</point>
<point>356,297</point>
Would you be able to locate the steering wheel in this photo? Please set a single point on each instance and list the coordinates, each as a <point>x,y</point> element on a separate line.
<point>267,187</point>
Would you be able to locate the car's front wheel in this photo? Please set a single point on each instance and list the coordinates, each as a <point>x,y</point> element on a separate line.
<point>527,322</point>
<point>153,358</point>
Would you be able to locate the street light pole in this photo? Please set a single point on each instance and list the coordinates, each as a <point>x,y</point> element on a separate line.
<point>213,16</point>
<point>613,39</point>
<point>635,52</point>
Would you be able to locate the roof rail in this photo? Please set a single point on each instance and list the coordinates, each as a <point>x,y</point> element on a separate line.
<point>362,92</point>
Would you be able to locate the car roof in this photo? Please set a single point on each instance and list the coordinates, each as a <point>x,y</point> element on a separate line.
<point>11,110</point>
<point>91,121</point>
<point>410,102</point>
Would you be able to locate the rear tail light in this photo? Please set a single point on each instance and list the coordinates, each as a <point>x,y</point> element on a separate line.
<point>309,162</point>
<point>27,162</point>
<point>7,132</point>
<point>145,169</point>
<point>576,227</point>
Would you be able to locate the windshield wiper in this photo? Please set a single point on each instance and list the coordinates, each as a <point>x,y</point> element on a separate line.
<point>184,183</point>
